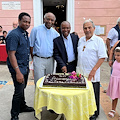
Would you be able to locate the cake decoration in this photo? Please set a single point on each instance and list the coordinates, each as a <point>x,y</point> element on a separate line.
<point>65,80</point>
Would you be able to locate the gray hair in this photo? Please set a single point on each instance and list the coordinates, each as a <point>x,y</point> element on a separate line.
<point>65,22</point>
<point>118,20</point>
<point>49,13</point>
<point>89,20</point>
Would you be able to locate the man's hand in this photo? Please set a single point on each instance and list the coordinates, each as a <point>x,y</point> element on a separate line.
<point>108,52</point>
<point>19,77</point>
<point>92,75</point>
<point>110,63</point>
<point>64,69</point>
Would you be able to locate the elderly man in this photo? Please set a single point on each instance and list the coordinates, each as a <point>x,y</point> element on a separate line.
<point>15,24</point>
<point>41,46</point>
<point>65,49</point>
<point>91,54</point>
<point>18,49</point>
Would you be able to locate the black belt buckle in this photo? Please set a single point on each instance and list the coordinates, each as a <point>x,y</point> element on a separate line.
<point>45,57</point>
<point>42,57</point>
<point>68,63</point>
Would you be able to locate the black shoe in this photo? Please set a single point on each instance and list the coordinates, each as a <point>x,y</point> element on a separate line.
<point>15,118</point>
<point>51,111</point>
<point>35,116</point>
<point>93,117</point>
<point>27,109</point>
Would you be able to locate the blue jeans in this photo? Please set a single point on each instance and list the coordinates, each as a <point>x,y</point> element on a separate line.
<point>18,101</point>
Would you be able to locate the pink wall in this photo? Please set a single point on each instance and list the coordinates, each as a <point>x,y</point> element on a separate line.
<point>8,16</point>
<point>102,12</point>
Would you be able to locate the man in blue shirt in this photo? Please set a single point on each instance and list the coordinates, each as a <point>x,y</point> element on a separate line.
<point>41,46</point>
<point>18,49</point>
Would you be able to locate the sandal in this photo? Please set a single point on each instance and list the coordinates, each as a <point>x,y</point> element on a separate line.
<point>111,113</point>
<point>105,91</point>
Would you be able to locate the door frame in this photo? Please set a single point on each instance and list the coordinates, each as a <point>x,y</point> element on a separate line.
<point>38,12</point>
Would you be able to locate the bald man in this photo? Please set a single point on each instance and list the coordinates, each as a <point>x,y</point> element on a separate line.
<point>15,24</point>
<point>41,47</point>
<point>65,49</point>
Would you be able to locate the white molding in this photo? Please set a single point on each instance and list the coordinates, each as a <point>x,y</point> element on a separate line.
<point>70,13</point>
<point>38,12</point>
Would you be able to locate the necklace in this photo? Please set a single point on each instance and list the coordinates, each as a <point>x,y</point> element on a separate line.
<point>85,45</point>
<point>83,48</point>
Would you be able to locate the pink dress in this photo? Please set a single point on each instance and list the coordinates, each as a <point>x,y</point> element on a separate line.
<point>114,84</point>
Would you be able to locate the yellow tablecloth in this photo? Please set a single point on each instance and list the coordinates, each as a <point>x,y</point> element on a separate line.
<point>75,104</point>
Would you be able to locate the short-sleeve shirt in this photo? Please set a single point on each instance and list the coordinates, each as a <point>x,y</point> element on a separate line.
<point>88,57</point>
<point>113,36</point>
<point>18,41</point>
<point>41,39</point>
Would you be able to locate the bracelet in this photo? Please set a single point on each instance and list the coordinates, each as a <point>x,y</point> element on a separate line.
<point>16,67</point>
<point>110,60</point>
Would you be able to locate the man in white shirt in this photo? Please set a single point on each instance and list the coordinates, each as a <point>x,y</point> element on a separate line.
<point>113,36</point>
<point>91,54</point>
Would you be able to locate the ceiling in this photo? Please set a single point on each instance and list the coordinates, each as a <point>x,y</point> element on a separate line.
<point>54,2</point>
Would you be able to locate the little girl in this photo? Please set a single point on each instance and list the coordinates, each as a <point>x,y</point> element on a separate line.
<point>114,84</point>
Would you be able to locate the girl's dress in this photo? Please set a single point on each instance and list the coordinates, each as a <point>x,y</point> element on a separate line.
<point>114,84</point>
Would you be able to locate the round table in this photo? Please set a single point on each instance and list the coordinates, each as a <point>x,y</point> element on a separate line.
<point>75,104</point>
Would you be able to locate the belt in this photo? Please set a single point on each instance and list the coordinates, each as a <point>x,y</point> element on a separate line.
<point>69,63</point>
<point>42,57</point>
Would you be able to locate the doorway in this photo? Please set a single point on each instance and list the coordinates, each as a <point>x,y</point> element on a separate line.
<point>56,6</point>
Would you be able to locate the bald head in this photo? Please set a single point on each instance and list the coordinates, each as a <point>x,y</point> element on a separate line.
<point>49,14</point>
<point>65,28</point>
<point>49,19</point>
<point>65,22</point>
<point>15,24</point>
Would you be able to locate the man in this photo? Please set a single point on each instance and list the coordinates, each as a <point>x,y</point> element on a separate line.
<point>65,49</point>
<point>15,24</point>
<point>91,54</point>
<point>18,49</point>
<point>41,46</point>
<point>113,36</point>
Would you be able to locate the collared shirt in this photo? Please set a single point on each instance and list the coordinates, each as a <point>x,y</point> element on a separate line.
<point>113,35</point>
<point>18,41</point>
<point>87,58</point>
<point>69,48</point>
<point>41,39</point>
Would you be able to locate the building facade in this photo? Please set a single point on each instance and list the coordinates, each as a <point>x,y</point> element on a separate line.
<point>104,13</point>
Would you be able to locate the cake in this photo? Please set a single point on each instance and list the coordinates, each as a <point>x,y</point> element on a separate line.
<point>64,80</point>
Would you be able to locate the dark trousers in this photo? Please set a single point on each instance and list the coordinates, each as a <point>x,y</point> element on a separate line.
<point>18,101</point>
<point>96,87</point>
<point>71,67</point>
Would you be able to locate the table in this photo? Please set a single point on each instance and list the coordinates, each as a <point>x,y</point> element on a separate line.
<point>75,104</point>
<point>3,53</point>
